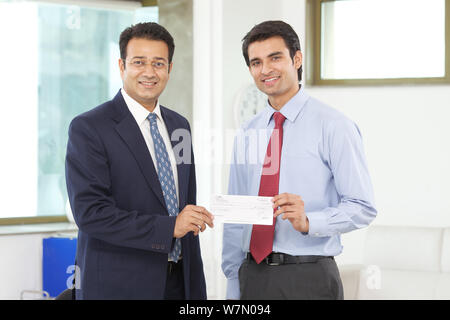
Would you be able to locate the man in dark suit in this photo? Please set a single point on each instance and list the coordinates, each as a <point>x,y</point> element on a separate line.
<point>133,197</point>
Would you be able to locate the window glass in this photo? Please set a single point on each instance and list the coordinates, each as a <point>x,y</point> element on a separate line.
<point>382,39</point>
<point>58,61</point>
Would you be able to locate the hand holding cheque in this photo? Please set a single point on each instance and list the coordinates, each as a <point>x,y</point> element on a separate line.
<point>260,210</point>
<point>192,218</point>
<point>292,207</point>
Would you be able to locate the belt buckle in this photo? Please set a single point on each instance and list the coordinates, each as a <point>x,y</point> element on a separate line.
<point>269,261</point>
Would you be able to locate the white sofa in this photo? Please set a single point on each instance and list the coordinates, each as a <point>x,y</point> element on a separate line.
<point>401,263</point>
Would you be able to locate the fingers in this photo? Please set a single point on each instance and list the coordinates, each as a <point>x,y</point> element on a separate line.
<point>206,216</point>
<point>286,199</point>
<point>283,209</point>
<point>288,204</point>
<point>195,218</point>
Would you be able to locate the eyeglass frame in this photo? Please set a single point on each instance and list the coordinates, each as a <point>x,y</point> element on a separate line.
<point>147,62</point>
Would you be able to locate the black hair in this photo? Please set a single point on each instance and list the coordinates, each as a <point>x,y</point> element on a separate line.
<point>269,29</point>
<point>146,30</point>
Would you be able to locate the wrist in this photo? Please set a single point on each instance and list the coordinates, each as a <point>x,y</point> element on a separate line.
<point>305,229</point>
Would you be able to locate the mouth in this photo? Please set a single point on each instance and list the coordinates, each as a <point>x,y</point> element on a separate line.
<point>148,84</point>
<point>270,81</point>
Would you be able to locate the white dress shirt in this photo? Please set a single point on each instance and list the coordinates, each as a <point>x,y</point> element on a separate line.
<point>140,114</point>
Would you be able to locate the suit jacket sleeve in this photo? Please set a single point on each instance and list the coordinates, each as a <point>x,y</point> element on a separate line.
<point>94,209</point>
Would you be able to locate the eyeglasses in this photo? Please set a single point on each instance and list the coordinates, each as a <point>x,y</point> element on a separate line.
<point>141,63</point>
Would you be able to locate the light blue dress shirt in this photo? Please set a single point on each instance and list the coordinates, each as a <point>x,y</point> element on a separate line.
<point>322,161</point>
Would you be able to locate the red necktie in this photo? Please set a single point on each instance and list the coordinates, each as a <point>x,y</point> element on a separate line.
<point>261,242</point>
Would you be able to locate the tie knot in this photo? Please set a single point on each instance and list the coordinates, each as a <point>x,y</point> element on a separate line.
<point>152,118</point>
<point>279,119</point>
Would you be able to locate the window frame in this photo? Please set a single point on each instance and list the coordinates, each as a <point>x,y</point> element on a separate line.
<point>32,220</point>
<point>314,51</point>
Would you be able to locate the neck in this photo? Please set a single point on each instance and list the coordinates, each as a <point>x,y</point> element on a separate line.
<point>149,106</point>
<point>277,102</point>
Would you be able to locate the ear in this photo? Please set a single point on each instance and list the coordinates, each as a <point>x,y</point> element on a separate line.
<point>298,59</point>
<point>170,67</point>
<point>121,67</point>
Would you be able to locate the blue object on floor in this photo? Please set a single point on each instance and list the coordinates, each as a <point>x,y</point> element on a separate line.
<point>58,264</point>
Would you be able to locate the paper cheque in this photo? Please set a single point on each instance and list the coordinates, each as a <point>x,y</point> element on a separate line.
<point>242,209</point>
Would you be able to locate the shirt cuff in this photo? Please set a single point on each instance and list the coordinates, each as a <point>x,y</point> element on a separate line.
<point>318,226</point>
<point>233,289</point>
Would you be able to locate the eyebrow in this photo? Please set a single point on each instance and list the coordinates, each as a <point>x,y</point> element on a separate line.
<point>274,54</point>
<point>144,57</point>
<point>254,59</point>
<point>269,56</point>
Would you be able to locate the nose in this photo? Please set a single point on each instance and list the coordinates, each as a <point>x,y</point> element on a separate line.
<point>149,71</point>
<point>266,68</point>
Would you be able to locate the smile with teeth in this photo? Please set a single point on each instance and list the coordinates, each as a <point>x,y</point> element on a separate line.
<point>270,80</point>
<point>148,84</point>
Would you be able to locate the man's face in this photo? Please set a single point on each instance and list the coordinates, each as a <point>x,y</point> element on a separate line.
<point>273,69</point>
<point>146,70</point>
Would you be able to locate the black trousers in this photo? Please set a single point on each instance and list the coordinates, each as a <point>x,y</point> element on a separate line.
<point>304,281</point>
<point>174,281</point>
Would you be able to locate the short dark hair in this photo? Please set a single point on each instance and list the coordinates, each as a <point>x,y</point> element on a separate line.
<point>269,29</point>
<point>146,30</point>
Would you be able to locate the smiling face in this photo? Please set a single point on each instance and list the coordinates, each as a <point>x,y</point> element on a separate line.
<point>273,69</point>
<point>145,71</point>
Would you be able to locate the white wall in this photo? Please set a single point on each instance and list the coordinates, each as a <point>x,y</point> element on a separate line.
<point>21,258</point>
<point>20,265</point>
<point>406,133</point>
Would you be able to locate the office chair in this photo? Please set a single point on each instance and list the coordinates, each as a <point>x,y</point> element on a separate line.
<point>68,294</point>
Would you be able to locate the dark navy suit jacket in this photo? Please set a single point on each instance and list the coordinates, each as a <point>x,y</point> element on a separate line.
<point>125,231</point>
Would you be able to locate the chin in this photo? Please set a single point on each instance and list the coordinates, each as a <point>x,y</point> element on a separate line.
<point>264,90</point>
<point>270,93</point>
<point>148,97</point>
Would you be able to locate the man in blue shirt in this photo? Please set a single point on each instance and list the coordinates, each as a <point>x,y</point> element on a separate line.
<point>321,174</point>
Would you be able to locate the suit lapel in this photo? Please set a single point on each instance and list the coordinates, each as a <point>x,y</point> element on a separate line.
<point>128,129</point>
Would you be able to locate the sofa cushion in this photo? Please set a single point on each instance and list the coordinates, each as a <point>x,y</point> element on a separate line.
<point>388,284</point>
<point>445,262</point>
<point>350,280</point>
<point>404,248</point>
<point>443,287</point>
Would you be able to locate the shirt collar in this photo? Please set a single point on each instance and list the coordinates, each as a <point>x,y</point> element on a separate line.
<point>291,109</point>
<point>137,110</point>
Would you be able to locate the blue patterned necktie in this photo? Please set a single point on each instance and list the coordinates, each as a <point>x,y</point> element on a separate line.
<point>166,179</point>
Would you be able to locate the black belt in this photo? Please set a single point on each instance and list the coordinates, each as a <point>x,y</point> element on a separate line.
<point>276,259</point>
